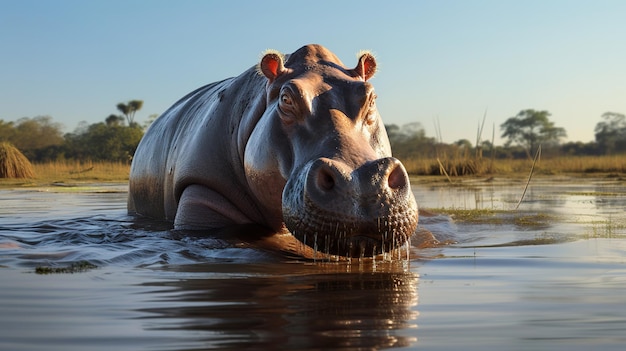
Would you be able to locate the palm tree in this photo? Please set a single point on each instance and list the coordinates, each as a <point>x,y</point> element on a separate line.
<point>129,109</point>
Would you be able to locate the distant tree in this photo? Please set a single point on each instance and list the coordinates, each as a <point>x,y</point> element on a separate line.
<point>114,121</point>
<point>393,133</point>
<point>7,131</point>
<point>129,109</point>
<point>611,133</point>
<point>406,131</point>
<point>410,140</point>
<point>531,128</point>
<point>412,130</point>
<point>578,148</point>
<point>30,135</point>
<point>108,141</point>
<point>486,145</point>
<point>81,127</point>
<point>149,121</point>
<point>463,144</point>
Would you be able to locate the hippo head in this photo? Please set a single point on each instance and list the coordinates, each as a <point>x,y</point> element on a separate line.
<point>341,191</point>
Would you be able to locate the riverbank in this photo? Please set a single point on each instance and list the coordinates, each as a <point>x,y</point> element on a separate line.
<point>456,170</point>
<point>72,172</point>
<point>458,166</point>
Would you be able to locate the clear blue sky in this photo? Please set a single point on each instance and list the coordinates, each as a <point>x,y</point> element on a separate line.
<point>438,60</point>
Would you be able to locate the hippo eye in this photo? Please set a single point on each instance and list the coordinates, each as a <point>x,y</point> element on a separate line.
<point>286,103</point>
<point>286,100</point>
<point>287,107</point>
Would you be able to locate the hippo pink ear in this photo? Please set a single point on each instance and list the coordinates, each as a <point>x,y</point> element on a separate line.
<point>366,66</point>
<point>271,65</point>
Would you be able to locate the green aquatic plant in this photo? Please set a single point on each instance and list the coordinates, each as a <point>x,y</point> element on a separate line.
<point>75,267</point>
<point>594,193</point>
<point>608,229</point>
<point>533,220</point>
<point>498,217</point>
<point>476,216</point>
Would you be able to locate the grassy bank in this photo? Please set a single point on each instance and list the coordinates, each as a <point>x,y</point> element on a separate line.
<point>512,167</point>
<point>73,172</point>
<point>82,171</point>
<point>85,172</point>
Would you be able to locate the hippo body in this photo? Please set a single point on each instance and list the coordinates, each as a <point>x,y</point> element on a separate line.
<point>294,145</point>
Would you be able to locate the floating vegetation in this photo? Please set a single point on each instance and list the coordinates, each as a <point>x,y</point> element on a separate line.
<point>594,193</point>
<point>498,217</point>
<point>608,229</point>
<point>76,267</point>
<point>477,216</point>
<point>534,220</point>
<point>544,240</point>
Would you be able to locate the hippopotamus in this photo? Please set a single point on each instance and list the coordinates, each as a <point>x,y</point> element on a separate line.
<point>294,145</point>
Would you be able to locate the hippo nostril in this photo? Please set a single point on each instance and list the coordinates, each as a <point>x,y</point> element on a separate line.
<point>396,178</point>
<point>325,179</point>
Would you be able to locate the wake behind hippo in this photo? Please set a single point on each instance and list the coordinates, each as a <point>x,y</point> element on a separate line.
<point>295,145</point>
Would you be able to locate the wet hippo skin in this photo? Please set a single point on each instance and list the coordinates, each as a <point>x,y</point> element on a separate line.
<point>294,145</point>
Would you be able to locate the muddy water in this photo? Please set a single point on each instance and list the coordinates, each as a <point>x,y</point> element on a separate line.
<point>550,275</point>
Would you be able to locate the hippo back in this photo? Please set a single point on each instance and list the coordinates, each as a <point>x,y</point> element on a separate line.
<point>196,141</point>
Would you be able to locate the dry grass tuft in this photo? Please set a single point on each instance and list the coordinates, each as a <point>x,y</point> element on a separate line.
<point>13,164</point>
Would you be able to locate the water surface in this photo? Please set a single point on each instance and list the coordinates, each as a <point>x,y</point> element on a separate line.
<point>550,275</point>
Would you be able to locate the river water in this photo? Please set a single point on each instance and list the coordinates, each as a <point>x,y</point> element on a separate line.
<point>550,275</point>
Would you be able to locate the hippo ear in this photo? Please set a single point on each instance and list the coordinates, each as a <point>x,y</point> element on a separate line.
<point>271,65</point>
<point>366,66</point>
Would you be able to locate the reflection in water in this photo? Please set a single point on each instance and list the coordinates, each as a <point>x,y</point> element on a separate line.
<point>498,285</point>
<point>318,306</point>
<point>185,292</point>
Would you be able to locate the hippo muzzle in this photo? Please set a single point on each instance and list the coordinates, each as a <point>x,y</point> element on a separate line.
<point>349,212</point>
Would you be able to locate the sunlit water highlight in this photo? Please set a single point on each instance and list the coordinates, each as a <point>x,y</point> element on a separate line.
<point>550,275</point>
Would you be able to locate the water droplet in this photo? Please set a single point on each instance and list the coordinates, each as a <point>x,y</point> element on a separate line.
<point>349,250</point>
<point>374,256</point>
<point>361,251</point>
<point>315,247</point>
<point>327,245</point>
<point>408,249</point>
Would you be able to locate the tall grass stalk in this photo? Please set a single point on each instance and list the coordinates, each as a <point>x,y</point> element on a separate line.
<point>530,176</point>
